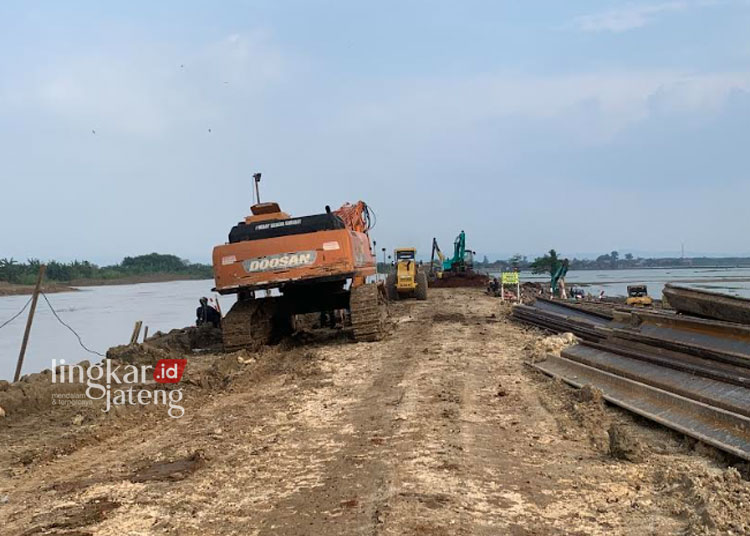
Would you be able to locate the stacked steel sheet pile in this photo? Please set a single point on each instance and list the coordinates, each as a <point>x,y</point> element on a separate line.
<point>563,317</point>
<point>688,373</point>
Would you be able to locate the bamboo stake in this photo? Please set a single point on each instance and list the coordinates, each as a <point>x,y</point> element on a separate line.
<point>145,334</point>
<point>29,321</point>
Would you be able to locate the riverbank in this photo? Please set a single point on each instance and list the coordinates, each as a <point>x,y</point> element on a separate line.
<point>440,428</point>
<point>10,289</point>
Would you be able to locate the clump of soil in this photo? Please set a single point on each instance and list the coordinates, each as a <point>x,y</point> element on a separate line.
<point>73,516</point>
<point>448,317</point>
<point>554,344</point>
<point>623,445</point>
<point>172,471</point>
<point>589,393</point>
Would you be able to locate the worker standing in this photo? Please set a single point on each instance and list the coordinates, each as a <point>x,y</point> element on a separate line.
<point>205,314</point>
<point>563,291</point>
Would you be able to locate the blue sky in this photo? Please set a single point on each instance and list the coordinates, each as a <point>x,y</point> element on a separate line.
<point>584,126</point>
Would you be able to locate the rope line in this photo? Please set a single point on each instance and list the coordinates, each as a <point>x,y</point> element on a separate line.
<point>15,315</point>
<point>67,326</point>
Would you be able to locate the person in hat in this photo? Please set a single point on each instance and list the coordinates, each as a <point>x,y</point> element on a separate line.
<point>205,314</point>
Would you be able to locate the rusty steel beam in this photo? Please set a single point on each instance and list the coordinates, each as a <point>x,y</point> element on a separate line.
<point>559,323</point>
<point>710,339</point>
<point>708,304</point>
<point>569,309</point>
<point>723,429</point>
<point>707,368</point>
<point>728,396</point>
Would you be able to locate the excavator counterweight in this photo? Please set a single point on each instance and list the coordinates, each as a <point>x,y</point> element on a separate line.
<point>280,266</point>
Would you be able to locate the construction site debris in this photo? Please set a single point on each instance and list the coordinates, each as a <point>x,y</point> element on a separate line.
<point>552,344</point>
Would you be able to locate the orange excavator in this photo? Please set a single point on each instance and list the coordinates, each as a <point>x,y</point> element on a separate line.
<point>279,266</point>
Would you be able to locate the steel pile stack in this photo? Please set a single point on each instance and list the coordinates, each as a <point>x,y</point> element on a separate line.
<point>690,374</point>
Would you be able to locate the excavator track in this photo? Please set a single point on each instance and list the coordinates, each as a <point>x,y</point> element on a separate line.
<point>248,325</point>
<point>367,313</point>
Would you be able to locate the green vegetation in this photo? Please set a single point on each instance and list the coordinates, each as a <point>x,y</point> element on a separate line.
<point>545,264</point>
<point>612,261</point>
<point>12,271</point>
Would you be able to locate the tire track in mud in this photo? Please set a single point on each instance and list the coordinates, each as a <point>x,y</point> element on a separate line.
<point>353,497</point>
<point>442,477</point>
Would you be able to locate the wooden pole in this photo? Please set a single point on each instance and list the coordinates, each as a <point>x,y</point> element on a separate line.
<point>218,308</point>
<point>145,333</point>
<point>518,289</point>
<point>136,332</point>
<point>29,321</point>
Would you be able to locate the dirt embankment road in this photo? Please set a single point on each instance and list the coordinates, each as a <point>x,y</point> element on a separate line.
<point>439,429</point>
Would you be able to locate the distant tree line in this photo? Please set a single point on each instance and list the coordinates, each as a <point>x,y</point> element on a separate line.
<point>611,261</point>
<point>25,273</point>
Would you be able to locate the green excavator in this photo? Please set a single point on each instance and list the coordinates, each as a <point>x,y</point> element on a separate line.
<point>457,271</point>
<point>558,271</point>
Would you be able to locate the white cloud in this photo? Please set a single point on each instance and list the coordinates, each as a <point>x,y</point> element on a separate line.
<point>627,18</point>
<point>611,101</point>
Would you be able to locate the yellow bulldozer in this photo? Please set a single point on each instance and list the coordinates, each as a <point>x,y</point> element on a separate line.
<point>407,280</point>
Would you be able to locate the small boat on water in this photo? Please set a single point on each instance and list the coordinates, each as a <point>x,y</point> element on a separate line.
<point>708,304</point>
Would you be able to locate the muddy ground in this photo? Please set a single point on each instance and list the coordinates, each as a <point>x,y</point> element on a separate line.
<point>442,428</point>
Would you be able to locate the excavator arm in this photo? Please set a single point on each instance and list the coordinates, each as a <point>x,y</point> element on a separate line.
<point>356,217</point>
<point>558,273</point>
<point>440,256</point>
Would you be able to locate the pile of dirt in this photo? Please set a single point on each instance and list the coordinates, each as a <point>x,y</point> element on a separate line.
<point>581,414</point>
<point>531,290</point>
<point>714,501</point>
<point>138,354</point>
<point>220,372</point>
<point>34,392</point>
<point>177,343</point>
<point>466,280</point>
<point>554,344</point>
<point>205,338</point>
